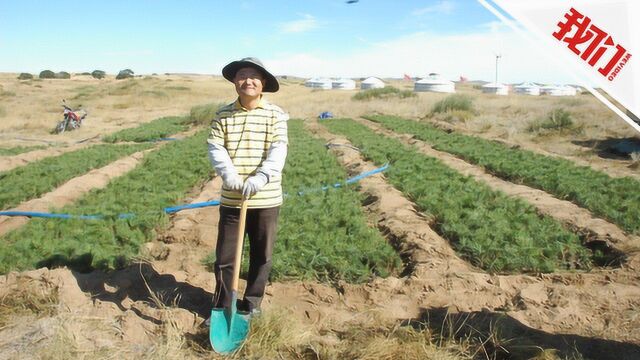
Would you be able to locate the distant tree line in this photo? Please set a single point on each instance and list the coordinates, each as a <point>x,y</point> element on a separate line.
<point>97,74</point>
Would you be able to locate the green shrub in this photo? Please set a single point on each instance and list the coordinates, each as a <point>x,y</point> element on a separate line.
<point>98,74</point>
<point>382,93</point>
<point>453,102</point>
<point>203,114</point>
<point>556,119</point>
<point>454,116</point>
<point>47,74</point>
<point>124,74</point>
<point>25,76</point>
<point>62,75</point>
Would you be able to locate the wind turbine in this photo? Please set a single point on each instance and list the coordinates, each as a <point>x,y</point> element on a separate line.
<point>498,56</point>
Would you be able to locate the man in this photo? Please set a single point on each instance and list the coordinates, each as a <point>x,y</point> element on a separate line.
<point>247,148</point>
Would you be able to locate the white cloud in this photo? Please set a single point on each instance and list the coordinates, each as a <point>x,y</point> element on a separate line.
<point>442,7</point>
<point>494,26</point>
<point>307,23</point>
<point>471,55</point>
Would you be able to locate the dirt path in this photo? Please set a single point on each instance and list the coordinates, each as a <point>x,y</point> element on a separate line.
<point>578,219</point>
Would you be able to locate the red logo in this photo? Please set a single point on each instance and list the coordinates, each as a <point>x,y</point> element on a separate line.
<point>598,43</point>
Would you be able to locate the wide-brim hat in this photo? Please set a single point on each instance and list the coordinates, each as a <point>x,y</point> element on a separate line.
<point>230,70</point>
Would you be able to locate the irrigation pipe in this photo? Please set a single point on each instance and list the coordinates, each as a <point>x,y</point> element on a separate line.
<point>174,209</point>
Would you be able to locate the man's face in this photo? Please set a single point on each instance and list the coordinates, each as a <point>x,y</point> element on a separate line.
<point>249,82</point>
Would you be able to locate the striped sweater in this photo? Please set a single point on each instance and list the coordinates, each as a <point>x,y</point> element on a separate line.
<point>247,135</point>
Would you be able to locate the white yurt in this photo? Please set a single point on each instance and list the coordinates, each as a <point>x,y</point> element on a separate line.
<point>568,90</point>
<point>343,84</point>
<point>318,83</point>
<point>527,88</point>
<point>371,83</point>
<point>552,90</point>
<point>495,88</point>
<point>435,83</point>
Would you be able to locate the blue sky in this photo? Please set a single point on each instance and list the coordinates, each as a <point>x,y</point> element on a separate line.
<point>304,38</point>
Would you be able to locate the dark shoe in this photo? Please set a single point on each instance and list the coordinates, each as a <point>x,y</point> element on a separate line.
<point>245,307</point>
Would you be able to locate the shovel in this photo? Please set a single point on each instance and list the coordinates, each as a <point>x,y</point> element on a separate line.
<point>228,328</point>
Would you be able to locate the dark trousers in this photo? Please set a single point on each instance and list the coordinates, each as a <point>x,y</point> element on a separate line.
<point>261,228</point>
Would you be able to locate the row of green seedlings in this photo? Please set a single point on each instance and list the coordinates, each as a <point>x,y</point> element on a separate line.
<point>323,235</point>
<point>615,199</point>
<point>17,150</point>
<point>161,180</point>
<point>488,228</point>
<point>34,179</point>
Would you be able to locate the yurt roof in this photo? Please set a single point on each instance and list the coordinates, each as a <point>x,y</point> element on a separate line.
<point>372,80</point>
<point>434,79</point>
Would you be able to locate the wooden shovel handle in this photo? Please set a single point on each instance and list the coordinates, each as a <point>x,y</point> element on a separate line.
<point>238,259</point>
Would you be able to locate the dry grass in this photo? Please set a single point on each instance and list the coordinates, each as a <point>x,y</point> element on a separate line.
<point>40,330</point>
<point>279,335</point>
<point>27,297</point>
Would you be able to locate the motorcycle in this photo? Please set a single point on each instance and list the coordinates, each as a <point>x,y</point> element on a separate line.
<point>72,119</point>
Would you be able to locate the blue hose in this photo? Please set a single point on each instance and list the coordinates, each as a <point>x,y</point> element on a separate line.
<point>174,209</point>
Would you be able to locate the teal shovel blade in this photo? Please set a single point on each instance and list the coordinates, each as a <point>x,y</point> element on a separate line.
<point>228,328</point>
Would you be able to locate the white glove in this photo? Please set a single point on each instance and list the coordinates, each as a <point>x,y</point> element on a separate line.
<point>232,182</point>
<point>253,185</point>
<point>224,167</point>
